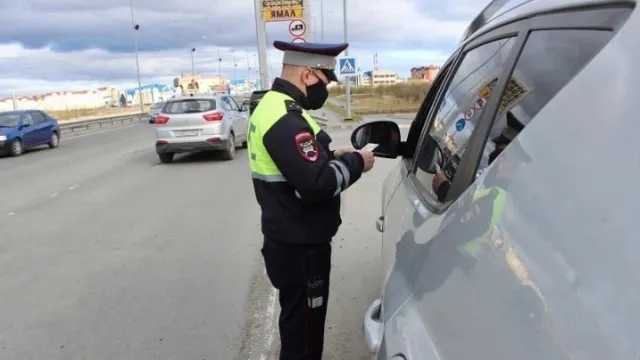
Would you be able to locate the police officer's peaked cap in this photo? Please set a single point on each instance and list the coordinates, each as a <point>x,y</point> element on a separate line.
<point>313,55</point>
<point>509,133</point>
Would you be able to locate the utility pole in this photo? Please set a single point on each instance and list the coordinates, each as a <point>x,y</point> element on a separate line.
<point>307,18</point>
<point>248,65</point>
<point>136,27</point>
<point>347,84</point>
<point>321,20</point>
<point>261,36</point>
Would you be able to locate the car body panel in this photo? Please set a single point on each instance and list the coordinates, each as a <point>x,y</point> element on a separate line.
<point>35,134</point>
<point>190,132</point>
<point>557,276</point>
<point>155,110</point>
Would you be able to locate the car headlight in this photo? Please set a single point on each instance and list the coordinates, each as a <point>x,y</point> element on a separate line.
<point>3,138</point>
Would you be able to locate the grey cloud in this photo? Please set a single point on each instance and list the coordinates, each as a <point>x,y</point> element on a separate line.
<point>175,25</point>
<point>169,29</point>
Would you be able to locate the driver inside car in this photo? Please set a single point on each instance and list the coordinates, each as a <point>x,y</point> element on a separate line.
<point>441,183</point>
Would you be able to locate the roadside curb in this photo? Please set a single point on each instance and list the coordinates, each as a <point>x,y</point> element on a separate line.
<point>340,126</point>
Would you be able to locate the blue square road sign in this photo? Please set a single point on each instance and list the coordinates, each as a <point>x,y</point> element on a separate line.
<point>347,66</point>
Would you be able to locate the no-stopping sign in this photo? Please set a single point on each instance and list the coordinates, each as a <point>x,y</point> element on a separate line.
<point>297,28</point>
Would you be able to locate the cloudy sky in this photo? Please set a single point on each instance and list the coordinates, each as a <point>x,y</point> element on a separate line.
<point>66,44</point>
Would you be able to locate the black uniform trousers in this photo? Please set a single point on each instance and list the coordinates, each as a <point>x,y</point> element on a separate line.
<point>301,274</point>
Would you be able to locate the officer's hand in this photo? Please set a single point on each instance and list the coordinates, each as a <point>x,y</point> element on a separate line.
<point>369,159</point>
<point>343,150</point>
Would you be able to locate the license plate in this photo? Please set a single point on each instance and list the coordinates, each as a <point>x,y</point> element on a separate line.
<point>186,133</point>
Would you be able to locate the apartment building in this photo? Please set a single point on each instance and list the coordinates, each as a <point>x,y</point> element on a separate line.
<point>188,83</point>
<point>86,99</point>
<point>379,77</point>
<point>424,73</point>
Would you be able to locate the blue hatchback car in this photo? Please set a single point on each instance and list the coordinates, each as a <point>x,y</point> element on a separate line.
<point>24,129</point>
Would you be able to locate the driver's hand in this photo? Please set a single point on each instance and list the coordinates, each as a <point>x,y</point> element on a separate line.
<point>438,179</point>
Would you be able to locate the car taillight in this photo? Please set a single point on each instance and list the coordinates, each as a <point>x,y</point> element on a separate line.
<point>216,116</point>
<point>161,119</point>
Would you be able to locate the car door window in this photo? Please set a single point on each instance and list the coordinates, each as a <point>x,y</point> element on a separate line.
<point>534,83</point>
<point>458,113</point>
<point>233,104</point>
<point>225,103</point>
<point>38,117</point>
<point>28,119</point>
<point>419,122</point>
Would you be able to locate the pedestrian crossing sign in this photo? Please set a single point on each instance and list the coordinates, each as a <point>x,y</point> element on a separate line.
<point>347,66</point>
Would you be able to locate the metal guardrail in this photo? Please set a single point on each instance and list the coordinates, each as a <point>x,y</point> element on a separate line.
<point>74,126</point>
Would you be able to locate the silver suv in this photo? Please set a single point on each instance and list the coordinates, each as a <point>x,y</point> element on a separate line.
<point>500,239</point>
<point>200,123</point>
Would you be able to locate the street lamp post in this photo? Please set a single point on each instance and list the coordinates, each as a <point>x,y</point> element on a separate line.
<point>193,65</point>
<point>136,27</point>
<point>347,84</point>
<point>219,68</point>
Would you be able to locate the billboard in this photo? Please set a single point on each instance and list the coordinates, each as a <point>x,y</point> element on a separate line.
<point>282,10</point>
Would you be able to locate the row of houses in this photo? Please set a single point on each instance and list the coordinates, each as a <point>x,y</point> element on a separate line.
<point>383,77</point>
<point>88,99</point>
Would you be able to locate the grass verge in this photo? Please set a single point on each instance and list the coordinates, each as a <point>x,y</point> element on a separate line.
<point>340,111</point>
<point>383,99</point>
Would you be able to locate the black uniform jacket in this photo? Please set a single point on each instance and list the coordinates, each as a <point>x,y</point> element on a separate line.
<point>306,208</point>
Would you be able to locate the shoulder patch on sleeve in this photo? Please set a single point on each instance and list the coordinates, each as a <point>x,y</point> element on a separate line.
<point>307,145</point>
<point>292,106</point>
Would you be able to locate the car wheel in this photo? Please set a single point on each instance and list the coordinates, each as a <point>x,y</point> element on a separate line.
<point>15,148</point>
<point>54,141</point>
<point>166,158</point>
<point>230,153</point>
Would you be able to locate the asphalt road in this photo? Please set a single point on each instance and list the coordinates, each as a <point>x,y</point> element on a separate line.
<point>106,254</point>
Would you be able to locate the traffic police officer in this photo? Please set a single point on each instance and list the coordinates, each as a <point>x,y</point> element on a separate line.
<point>298,181</point>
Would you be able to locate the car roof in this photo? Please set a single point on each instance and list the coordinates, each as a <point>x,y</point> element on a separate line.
<point>500,12</point>
<point>20,111</point>
<point>194,97</point>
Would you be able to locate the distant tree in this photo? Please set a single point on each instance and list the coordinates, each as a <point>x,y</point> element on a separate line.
<point>123,100</point>
<point>176,82</point>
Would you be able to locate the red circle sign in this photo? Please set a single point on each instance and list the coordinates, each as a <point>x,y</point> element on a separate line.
<point>298,40</point>
<point>297,28</point>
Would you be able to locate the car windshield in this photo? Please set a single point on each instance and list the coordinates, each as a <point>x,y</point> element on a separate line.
<point>189,106</point>
<point>9,119</point>
<point>157,106</point>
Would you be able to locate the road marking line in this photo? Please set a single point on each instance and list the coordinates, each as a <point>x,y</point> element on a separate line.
<point>270,315</point>
<point>11,213</point>
<point>54,195</point>
<point>73,187</point>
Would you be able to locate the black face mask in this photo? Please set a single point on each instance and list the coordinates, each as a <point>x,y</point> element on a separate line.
<point>317,94</point>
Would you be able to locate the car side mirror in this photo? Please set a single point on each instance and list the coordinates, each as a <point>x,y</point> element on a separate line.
<point>244,108</point>
<point>382,136</point>
<point>24,125</point>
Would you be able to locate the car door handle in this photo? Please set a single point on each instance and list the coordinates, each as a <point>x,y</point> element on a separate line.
<point>380,224</point>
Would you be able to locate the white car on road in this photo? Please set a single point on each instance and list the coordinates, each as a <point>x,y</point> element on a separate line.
<point>201,123</point>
